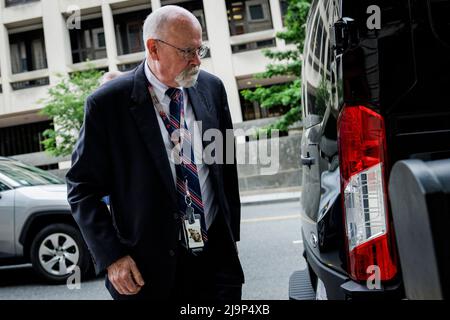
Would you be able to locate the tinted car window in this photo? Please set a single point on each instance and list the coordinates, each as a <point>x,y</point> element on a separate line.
<point>439,12</point>
<point>316,65</point>
<point>19,175</point>
<point>3,187</point>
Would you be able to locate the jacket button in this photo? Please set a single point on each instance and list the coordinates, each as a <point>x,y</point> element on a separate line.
<point>171,253</point>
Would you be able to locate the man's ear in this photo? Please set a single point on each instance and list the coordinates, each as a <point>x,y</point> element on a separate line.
<point>152,49</point>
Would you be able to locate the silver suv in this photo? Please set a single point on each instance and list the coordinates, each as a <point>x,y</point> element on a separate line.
<point>36,224</point>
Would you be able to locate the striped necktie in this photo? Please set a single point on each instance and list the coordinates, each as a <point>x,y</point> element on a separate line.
<point>185,167</point>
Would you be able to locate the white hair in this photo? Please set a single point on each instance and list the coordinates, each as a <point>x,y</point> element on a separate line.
<point>156,23</point>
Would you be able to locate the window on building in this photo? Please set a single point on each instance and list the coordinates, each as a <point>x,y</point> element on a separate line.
<point>284,8</point>
<point>30,83</point>
<point>128,27</point>
<point>23,139</point>
<point>88,43</point>
<point>253,110</point>
<point>128,66</point>
<point>284,4</point>
<point>195,7</point>
<point>27,51</point>
<point>10,3</point>
<point>253,45</point>
<point>247,16</point>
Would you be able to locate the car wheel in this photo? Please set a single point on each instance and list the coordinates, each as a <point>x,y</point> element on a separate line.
<point>57,250</point>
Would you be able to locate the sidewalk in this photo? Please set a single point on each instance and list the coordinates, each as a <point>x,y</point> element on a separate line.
<point>270,196</point>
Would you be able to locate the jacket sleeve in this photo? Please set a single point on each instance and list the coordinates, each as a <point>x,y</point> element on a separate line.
<point>87,183</point>
<point>231,181</point>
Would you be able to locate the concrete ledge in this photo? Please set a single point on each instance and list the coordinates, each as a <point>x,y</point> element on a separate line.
<point>39,158</point>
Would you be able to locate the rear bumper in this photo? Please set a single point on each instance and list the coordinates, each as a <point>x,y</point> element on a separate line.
<point>300,287</point>
<point>341,287</point>
<point>420,200</point>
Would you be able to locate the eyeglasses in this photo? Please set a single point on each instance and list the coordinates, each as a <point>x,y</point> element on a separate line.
<point>189,53</point>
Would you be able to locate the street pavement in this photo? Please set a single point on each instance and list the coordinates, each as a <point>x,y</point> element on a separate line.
<point>270,250</point>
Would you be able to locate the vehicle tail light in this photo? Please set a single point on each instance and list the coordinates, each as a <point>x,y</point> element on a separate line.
<point>362,157</point>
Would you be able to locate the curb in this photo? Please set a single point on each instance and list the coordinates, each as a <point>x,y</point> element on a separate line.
<point>271,198</point>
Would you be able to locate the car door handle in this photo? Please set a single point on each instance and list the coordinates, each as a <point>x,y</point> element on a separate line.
<point>307,161</point>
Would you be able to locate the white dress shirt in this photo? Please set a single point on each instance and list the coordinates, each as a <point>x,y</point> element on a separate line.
<point>210,207</point>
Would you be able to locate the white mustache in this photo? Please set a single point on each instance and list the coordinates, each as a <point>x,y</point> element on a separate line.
<point>193,71</point>
<point>188,77</point>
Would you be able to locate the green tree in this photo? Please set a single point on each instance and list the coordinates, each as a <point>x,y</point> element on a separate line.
<point>65,105</point>
<point>285,63</point>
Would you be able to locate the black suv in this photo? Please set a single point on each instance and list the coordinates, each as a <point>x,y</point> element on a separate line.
<point>376,90</point>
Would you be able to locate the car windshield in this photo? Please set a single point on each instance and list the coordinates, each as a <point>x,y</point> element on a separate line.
<point>18,174</point>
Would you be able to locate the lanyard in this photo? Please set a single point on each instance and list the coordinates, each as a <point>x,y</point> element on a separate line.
<point>183,128</point>
<point>165,118</point>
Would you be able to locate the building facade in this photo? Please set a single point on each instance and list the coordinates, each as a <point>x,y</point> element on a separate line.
<point>40,39</point>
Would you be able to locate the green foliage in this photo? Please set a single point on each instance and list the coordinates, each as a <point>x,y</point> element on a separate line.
<point>285,63</point>
<point>65,105</point>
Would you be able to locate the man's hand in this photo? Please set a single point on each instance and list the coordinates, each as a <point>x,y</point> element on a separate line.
<point>125,276</point>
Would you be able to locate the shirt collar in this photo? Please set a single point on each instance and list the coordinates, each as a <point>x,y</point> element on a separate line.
<point>159,87</point>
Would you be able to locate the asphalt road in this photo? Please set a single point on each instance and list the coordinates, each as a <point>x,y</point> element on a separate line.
<point>270,250</point>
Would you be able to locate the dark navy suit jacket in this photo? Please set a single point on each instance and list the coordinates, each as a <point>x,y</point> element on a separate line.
<point>121,153</point>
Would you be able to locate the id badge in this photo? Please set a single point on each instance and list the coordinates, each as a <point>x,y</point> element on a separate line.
<point>194,233</point>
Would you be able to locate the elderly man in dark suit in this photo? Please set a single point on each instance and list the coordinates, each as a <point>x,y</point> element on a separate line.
<point>174,220</point>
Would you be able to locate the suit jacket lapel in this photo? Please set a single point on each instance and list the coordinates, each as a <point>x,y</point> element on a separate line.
<point>203,113</point>
<point>199,104</point>
<point>146,120</point>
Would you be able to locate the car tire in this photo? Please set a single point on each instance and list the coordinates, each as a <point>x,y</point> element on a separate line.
<point>56,252</point>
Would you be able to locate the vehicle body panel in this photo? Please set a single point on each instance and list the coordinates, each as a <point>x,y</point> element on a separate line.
<point>37,199</point>
<point>7,248</point>
<point>19,204</point>
<point>402,72</point>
